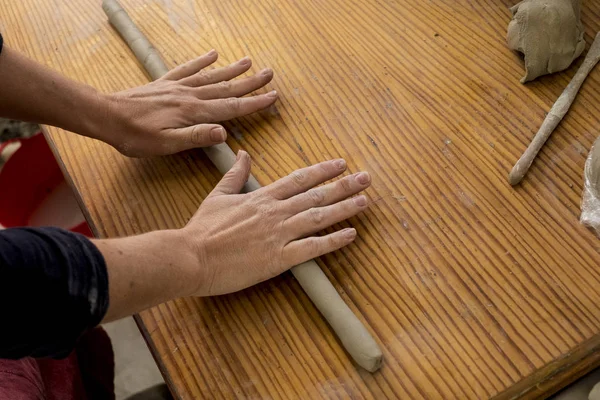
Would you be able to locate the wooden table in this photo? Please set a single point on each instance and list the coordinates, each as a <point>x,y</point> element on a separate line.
<point>473,289</point>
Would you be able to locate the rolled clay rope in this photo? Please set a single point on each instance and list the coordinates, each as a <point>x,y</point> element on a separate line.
<point>352,333</point>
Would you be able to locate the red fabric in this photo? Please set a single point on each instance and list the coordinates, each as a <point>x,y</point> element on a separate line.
<point>29,175</point>
<point>21,380</point>
<point>26,179</point>
<point>87,374</point>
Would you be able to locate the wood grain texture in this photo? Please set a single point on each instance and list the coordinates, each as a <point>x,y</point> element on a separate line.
<point>474,289</point>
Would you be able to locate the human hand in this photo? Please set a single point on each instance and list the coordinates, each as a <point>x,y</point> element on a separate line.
<point>179,111</point>
<point>242,239</point>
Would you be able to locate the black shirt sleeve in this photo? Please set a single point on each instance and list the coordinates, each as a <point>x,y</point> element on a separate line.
<point>1,43</point>
<point>53,288</point>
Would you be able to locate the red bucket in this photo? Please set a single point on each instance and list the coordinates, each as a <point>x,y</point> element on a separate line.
<point>33,191</point>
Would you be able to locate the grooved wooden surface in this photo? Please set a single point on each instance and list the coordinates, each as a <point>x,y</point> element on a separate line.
<point>472,288</point>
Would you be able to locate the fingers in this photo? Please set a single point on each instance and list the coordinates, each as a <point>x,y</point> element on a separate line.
<point>192,67</point>
<point>235,179</point>
<point>204,77</point>
<point>303,179</point>
<point>328,194</point>
<point>235,88</point>
<point>202,135</point>
<point>299,251</point>
<point>233,107</point>
<point>318,218</point>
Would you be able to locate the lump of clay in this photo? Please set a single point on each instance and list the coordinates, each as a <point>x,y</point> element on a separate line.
<point>549,33</point>
<point>590,200</point>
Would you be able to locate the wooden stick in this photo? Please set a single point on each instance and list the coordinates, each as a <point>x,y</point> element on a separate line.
<point>354,336</point>
<point>556,114</point>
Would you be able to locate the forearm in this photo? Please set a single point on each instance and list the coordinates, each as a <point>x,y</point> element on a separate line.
<point>32,92</point>
<point>175,113</point>
<point>64,284</point>
<point>147,270</point>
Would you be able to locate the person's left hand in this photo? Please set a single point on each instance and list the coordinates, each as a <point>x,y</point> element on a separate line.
<point>178,111</point>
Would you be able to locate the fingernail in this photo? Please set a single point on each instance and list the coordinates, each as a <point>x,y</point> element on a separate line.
<point>340,164</point>
<point>272,93</point>
<point>218,134</point>
<point>363,178</point>
<point>212,52</point>
<point>266,72</point>
<point>360,201</point>
<point>350,233</point>
<point>245,61</point>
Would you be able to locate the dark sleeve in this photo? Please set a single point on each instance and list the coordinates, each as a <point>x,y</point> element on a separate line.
<point>1,43</point>
<point>53,288</point>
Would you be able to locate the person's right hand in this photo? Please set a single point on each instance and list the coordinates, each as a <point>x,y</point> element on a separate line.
<point>239,240</point>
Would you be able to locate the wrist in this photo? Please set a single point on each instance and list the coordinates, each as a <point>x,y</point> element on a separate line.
<point>83,109</point>
<point>180,261</point>
<point>147,270</point>
<point>95,112</point>
<point>112,121</point>
<point>193,252</point>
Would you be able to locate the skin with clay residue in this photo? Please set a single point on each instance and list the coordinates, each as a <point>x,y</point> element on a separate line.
<point>549,33</point>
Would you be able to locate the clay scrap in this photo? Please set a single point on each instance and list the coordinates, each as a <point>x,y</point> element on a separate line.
<point>549,33</point>
<point>590,201</point>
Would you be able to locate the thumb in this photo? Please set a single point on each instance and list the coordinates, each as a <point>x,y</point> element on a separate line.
<point>202,135</point>
<point>235,179</point>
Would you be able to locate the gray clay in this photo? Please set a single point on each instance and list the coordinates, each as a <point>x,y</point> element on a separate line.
<point>549,33</point>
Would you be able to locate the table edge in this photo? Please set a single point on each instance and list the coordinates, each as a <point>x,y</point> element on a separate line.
<point>557,374</point>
